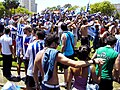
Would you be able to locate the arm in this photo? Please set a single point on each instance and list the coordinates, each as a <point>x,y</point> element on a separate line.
<point>69,62</point>
<point>63,43</point>
<point>96,78</point>
<point>116,70</point>
<point>35,71</point>
<point>69,78</point>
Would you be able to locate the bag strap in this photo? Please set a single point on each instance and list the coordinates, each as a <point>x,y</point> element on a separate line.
<point>89,74</point>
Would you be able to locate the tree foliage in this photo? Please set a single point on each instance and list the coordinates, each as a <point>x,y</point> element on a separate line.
<point>67,6</point>
<point>21,10</point>
<point>104,7</point>
<point>9,4</point>
<point>2,10</point>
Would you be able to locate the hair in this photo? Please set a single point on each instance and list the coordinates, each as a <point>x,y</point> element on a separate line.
<point>50,38</point>
<point>84,21</point>
<point>28,27</point>
<point>7,30</point>
<point>64,27</point>
<point>111,40</point>
<point>40,34</point>
<point>83,52</point>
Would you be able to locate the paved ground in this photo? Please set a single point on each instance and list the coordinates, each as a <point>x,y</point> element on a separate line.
<point>3,80</point>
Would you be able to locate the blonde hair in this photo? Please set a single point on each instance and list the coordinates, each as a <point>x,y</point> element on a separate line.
<point>21,20</point>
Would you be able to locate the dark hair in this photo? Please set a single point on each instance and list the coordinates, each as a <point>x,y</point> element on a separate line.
<point>84,21</point>
<point>50,38</point>
<point>7,30</point>
<point>111,40</point>
<point>83,52</point>
<point>40,34</point>
<point>64,27</point>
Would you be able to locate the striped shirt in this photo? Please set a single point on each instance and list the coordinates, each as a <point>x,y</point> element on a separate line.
<point>31,52</point>
<point>26,41</point>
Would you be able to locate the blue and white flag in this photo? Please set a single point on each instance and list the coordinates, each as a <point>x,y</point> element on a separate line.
<point>91,32</point>
<point>88,7</point>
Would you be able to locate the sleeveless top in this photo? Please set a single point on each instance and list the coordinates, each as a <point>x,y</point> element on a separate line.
<point>48,62</point>
<point>80,83</point>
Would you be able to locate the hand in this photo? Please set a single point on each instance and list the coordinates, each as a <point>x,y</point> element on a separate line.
<point>99,61</point>
<point>37,86</point>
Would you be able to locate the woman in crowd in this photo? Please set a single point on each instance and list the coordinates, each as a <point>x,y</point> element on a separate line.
<point>81,74</point>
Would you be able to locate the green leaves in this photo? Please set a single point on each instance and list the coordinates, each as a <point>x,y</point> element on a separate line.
<point>105,8</point>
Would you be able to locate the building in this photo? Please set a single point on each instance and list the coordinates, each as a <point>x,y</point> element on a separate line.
<point>117,6</point>
<point>29,4</point>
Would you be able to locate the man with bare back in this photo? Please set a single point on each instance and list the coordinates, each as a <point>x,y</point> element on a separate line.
<point>84,32</point>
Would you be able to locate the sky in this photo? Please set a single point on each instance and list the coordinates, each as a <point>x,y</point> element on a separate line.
<point>42,4</point>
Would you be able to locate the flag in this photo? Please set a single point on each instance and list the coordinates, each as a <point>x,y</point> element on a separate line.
<point>88,7</point>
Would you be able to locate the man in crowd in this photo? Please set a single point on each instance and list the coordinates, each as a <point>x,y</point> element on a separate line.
<point>31,52</point>
<point>112,59</point>
<point>7,51</point>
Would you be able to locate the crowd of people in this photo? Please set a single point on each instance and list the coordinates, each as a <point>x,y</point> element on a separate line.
<point>34,39</point>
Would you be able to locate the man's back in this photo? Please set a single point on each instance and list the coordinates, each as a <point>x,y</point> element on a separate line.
<point>6,41</point>
<point>39,62</point>
<point>84,31</point>
<point>110,56</point>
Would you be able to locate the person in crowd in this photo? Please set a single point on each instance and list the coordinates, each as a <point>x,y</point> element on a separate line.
<point>13,33</point>
<point>112,63</point>
<point>19,41</point>
<point>81,74</point>
<point>48,25</point>
<point>1,26</point>
<point>46,62</point>
<point>84,32</point>
<point>96,38</point>
<point>6,51</point>
<point>32,50</point>
<point>67,47</point>
<point>60,31</point>
<point>27,39</point>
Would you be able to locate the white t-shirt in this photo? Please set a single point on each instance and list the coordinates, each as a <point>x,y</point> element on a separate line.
<point>6,41</point>
<point>29,54</point>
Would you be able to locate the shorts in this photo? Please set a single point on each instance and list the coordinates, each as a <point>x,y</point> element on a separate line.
<point>106,84</point>
<point>30,81</point>
<point>14,43</point>
<point>85,41</point>
<point>50,87</point>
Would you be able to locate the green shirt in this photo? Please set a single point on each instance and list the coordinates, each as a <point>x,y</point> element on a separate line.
<point>110,55</point>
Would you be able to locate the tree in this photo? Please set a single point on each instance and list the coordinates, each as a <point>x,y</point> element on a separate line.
<point>67,6</point>
<point>117,15</point>
<point>2,10</point>
<point>73,8</point>
<point>104,7</point>
<point>10,4</point>
<point>21,10</point>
